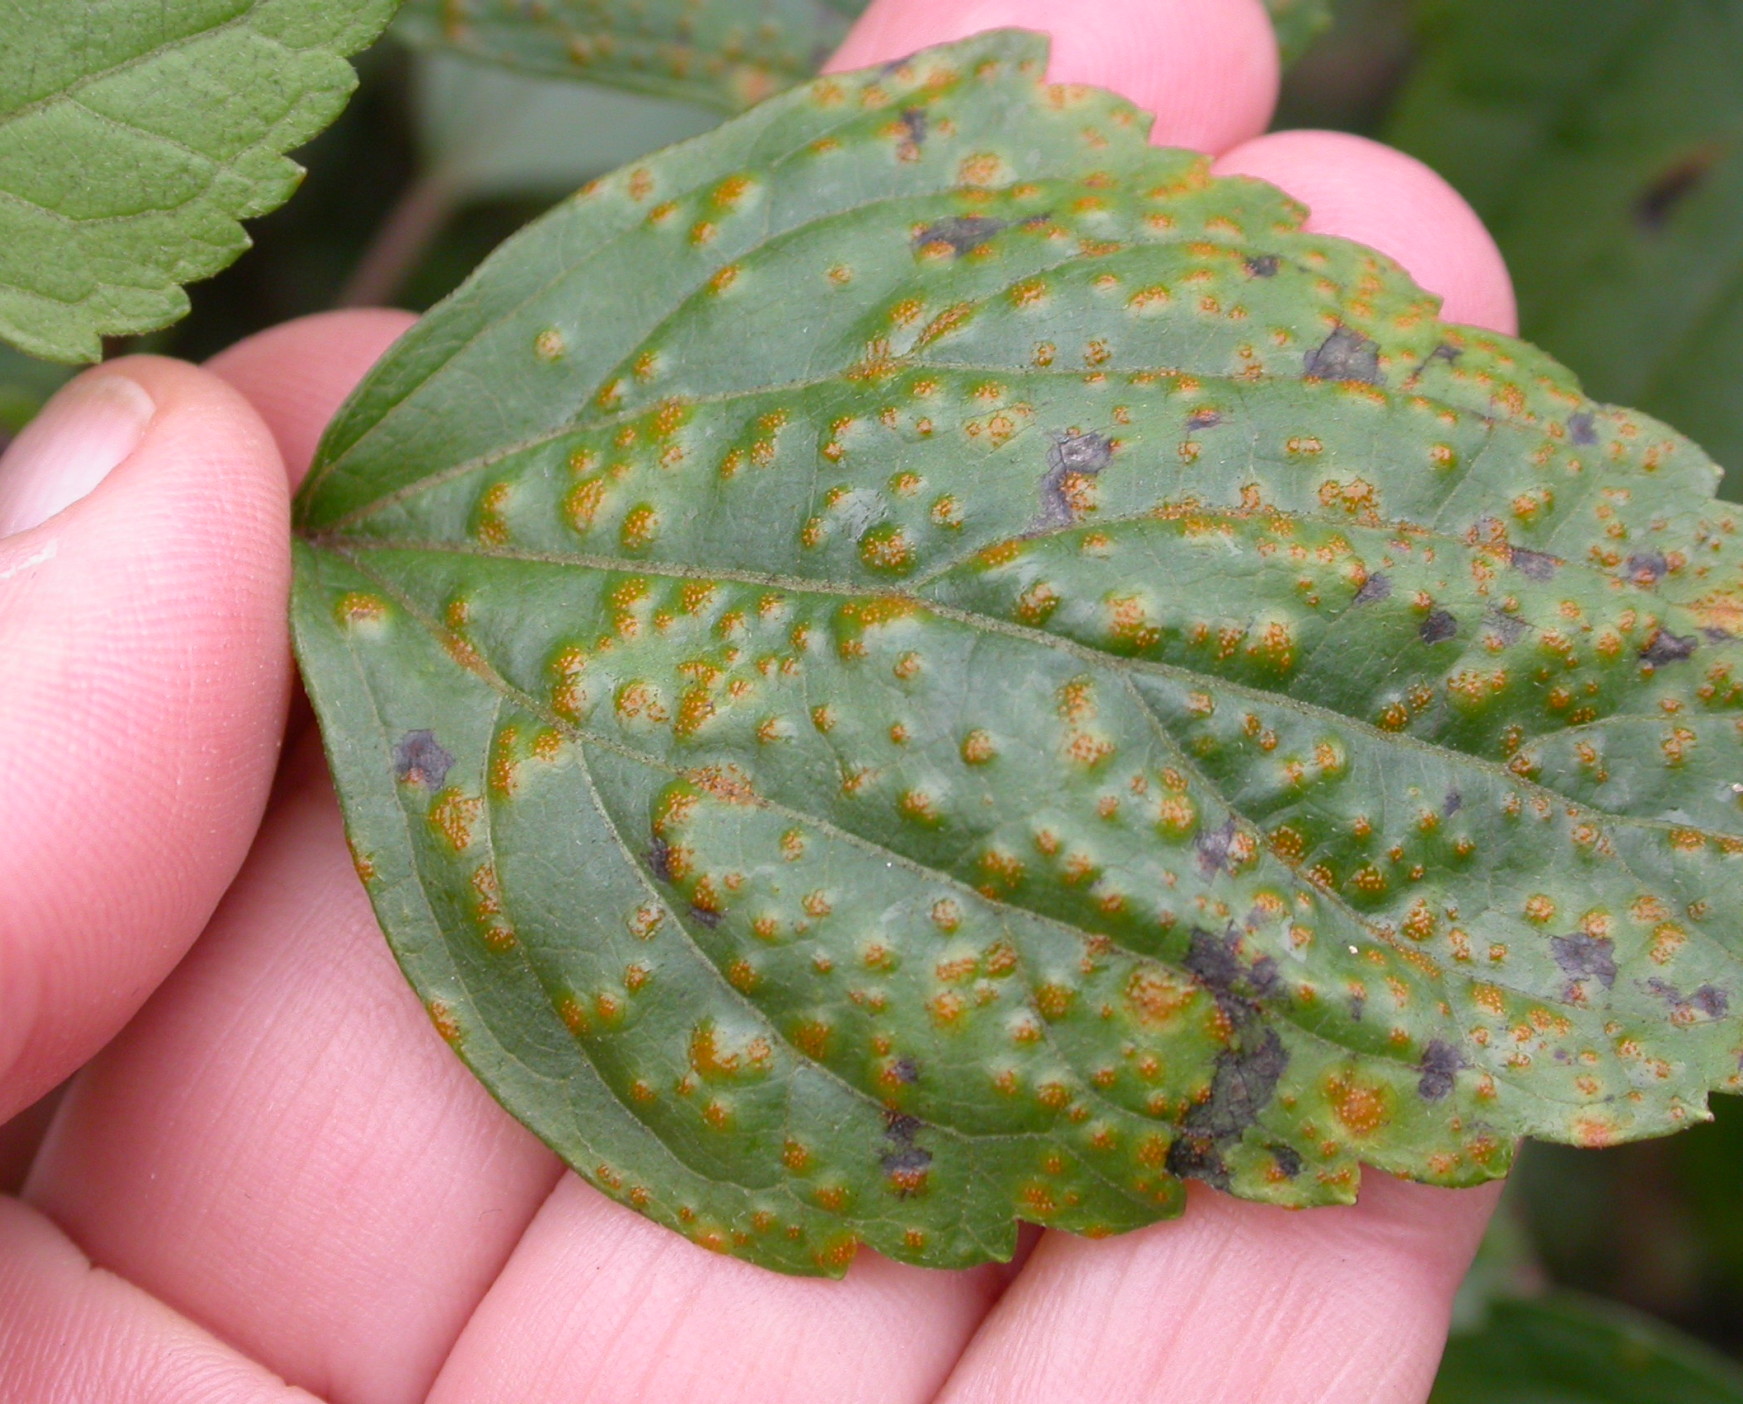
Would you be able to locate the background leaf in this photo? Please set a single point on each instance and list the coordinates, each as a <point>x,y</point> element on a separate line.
<point>132,142</point>
<point>490,134</point>
<point>1602,141</point>
<point>1116,690</point>
<point>1299,23</point>
<point>25,385</point>
<point>725,54</point>
<point>1571,1349</point>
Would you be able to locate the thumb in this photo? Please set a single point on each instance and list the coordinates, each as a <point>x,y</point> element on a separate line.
<point>143,573</point>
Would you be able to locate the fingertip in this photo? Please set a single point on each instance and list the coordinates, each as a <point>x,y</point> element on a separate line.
<point>1361,190</point>
<point>1237,1300</point>
<point>297,374</point>
<point>146,677</point>
<point>1208,69</point>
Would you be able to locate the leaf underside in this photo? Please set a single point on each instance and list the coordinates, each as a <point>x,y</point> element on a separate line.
<point>132,142</point>
<point>728,54</point>
<point>916,662</point>
<point>725,54</point>
<point>1602,142</point>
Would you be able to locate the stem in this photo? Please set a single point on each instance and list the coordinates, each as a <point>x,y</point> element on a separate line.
<point>416,218</point>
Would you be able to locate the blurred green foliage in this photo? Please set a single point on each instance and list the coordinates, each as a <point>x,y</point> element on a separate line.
<point>1602,142</point>
<point>725,56</point>
<point>1567,1349</point>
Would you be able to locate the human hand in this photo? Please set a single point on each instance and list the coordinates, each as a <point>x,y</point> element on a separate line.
<point>287,1172</point>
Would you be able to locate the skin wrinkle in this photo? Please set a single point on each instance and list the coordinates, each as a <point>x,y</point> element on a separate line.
<point>136,1349</point>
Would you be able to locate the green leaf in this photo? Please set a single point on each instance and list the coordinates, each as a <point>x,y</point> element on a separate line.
<point>25,385</point>
<point>916,661</point>
<point>1602,141</point>
<point>133,140</point>
<point>728,54</point>
<point>1570,1349</point>
<point>489,133</point>
<point>1299,23</point>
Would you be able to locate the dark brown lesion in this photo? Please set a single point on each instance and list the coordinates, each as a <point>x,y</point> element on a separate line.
<point>916,124</point>
<point>1243,1081</point>
<point>1708,1000</point>
<point>1377,587</point>
<point>1438,627</point>
<point>906,1163</point>
<point>1440,1068</point>
<point>1665,647</point>
<point>419,759</point>
<point>1216,850</point>
<point>1345,355</point>
<point>1073,457</point>
<point>1509,628</point>
<point>961,234</point>
<point>1534,565</point>
<point>1246,1073</point>
<point>1647,567</point>
<point>1583,957</point>
<point>1235,983</point>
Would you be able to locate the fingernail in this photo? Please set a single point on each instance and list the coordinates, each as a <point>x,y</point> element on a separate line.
<point>78,439</point>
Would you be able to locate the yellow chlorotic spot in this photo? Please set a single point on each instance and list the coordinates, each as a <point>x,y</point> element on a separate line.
<point>356,608</point>
<point>453,816</point>
<point>641,526</point>
<point>1360,1109</point>
<point>442,1016</point>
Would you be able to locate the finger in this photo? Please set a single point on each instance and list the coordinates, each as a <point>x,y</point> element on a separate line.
<point>281,1148</point>
<point>1236,1302</point>
<point>1208,69</point>
<point>298,373</point>
<point>142,620</point>
<point>68,1333</point>
<point>1391,202</point>
<point>599,1306</point>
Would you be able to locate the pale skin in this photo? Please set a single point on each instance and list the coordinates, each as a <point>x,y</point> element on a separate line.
<point>288,1186</point>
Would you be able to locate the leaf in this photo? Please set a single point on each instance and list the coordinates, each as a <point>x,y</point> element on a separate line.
<point>131,143</point>
<point>1602,141</point>
<point>1299,23</point>
<point>25,385</point>
<point>916,661</point>
<point>726,54</point>
<point>1570,1349</point>
<point>493,134</point>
